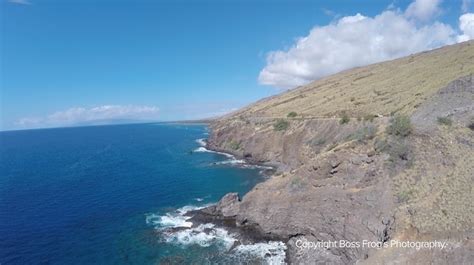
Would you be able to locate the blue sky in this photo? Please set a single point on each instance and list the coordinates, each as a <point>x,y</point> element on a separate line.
<point>67,62</point>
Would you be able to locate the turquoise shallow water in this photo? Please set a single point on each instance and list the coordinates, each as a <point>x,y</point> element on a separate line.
<point>102,195</point>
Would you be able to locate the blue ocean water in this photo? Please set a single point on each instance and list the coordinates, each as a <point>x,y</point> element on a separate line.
<point>97,195</point>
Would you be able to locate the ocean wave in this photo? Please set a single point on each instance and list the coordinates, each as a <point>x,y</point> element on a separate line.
<point>272,252</point>
<point>203,149</point>
<point>203,235</point>
<point>230,162</point>
<point>175,219</point>
<point>242,164</point>
<point>208,234</point>
<point>202,142</point>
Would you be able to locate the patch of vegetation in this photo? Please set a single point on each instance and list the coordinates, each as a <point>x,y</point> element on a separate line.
<point>404,195</point>
<point>380,145</point>
<point>364,134</point>
<point>281,125</point>
<point>445,121</point>
<point>399,151</point>
<point>400,126</point>
<point>297,184</point>
<point>353,99</point>
<point>234,145</point>
<point>320,141</point>
<point>292,114</point>
<point>344,118</point>
<point>471,124</point>
<point>369,117</point>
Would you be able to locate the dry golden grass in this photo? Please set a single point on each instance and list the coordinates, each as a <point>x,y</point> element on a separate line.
<point>383,88</point>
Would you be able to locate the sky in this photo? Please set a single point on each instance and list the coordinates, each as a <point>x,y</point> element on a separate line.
<point>71,62</point>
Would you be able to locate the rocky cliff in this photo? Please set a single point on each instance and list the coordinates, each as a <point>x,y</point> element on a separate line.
<point>375,153</point>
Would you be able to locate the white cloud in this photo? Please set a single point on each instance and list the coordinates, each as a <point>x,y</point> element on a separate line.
<point>358,40</point>
<point>349,42</point>
<point>20,2</point>
<point>83,115</point>
<point>466,25</point>
<point>423,9</point>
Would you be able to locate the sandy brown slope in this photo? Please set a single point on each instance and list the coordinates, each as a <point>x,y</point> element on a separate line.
<point>382,88</point>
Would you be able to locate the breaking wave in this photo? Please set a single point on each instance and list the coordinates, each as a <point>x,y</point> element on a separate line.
<point>203,149</point>
<point>272,252</point>
<point>202,142</point>
<point>231,161</point>
<point>174,219</point>
<point>176,228</point>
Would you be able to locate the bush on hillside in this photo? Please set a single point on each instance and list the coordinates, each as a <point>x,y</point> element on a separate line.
<point>292,114</point>
<point>234,145</point>
<point>471,124</point>
<point>445,121</point>
<point>364,134</point>
<point>369,117</point>
<point>344,118</point>
<point>281,125</point>
<point>400,126</point>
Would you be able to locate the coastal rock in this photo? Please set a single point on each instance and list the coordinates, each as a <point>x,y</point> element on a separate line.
<point>228,205</point>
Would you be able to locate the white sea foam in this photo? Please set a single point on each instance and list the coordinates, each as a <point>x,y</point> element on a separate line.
<point>203,235</point>
<point>208,234</point>
<point>185,209</point>
<point>205,150</point>
<point>231,162</point>
<point>201,142</point>
<point>174,219</point>
<point>272,252</point>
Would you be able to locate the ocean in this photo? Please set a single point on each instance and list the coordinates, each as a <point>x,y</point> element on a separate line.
<point>109,194</point>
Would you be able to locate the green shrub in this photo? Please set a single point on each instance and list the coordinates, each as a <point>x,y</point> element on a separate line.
<point>234,145</point>
<point>363,134</point>
<point>369,117</point>
<point>344,118</point>
<point>471,124</point>
<point>445,121</point>
<point>292,114</point>
<point>320,141</point>
<point>380,145</point>
<point>404,195</point>
<point>400,126</point>
<point>399,150</point>
<point>281,125</point>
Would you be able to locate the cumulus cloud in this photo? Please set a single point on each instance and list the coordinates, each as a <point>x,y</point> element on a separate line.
<point>81,115</point>
<point>423,9</point>
<point>359,40</point>
<point>349,42</point>
<point>466,25</point>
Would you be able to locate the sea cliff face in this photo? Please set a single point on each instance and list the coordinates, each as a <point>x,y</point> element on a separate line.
<point>347,172</point>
